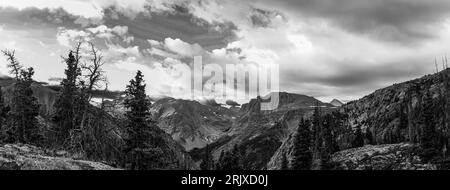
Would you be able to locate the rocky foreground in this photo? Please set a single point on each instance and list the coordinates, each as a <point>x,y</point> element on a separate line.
<point>27,157</point>
<point>381,157</point>
<point>402,156</point>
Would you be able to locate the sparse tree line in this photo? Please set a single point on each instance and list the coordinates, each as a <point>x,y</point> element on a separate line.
<point>76,125</point>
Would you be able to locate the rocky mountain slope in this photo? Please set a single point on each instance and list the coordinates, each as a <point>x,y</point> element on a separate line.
<point>386,116</point>
<point>27,157</point>
<point>390,113</point>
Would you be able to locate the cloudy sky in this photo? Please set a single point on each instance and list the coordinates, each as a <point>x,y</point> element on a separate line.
<point>329,49</point>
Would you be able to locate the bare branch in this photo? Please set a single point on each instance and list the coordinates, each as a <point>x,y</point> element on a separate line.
<point>446,62</point>
<point>435,64</point>
<point>92,68</point>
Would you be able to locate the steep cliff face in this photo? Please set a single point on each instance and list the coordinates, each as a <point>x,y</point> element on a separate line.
<point>390,114</point>
<point>27,157</point>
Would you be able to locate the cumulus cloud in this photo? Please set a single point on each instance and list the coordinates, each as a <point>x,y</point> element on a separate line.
<point>400,21</point>
<point>101,35</point>
<point>183,48</point>
<point>325,48</point>
<point>75,7</point>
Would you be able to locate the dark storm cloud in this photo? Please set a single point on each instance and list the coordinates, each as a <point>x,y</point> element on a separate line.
<point>358,74</point>
<point>34,17</point>
<point>179,24</point>
<point>400,21</point>
<point>262,18</point>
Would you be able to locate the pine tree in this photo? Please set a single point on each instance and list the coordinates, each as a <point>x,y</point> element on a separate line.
<point>220,161</point>
<point>227,161</point>
<point>66,103</point>
<point>31,106</point>
<point>329,145</point>
<point>3,108</point>
<point>208,162</point>
<point>24,110</point>
<point>327,134</point>
<point>317,127</point>
<point>237,158</point>
<point>428,134</point>
<point>358,141</point>
<point>369,137</point>
<point>142,143</point>
<point>230,160</point>
<point>284,163</point>
<point>318,138</point>
<point>403,117</point>
<point>302,154</point>
<point>3,113</point>
<point>22,123</point>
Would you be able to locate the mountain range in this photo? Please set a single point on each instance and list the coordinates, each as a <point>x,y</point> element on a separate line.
<point>265,136</point>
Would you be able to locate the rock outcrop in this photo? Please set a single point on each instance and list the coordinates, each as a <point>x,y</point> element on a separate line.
<point>401,156</point>
<point>27,157</point>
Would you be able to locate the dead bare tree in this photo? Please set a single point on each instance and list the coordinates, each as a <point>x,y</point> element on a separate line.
<point>94,73</point>
<point>446,62</point>
<point>436,65</point>
<point>92,78</point>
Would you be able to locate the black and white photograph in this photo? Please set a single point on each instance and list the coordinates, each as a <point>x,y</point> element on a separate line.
<point>240,86</point>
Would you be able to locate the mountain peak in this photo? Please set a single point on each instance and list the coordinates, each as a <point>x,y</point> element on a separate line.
<point>286,101</point>
<point>336,102</point>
